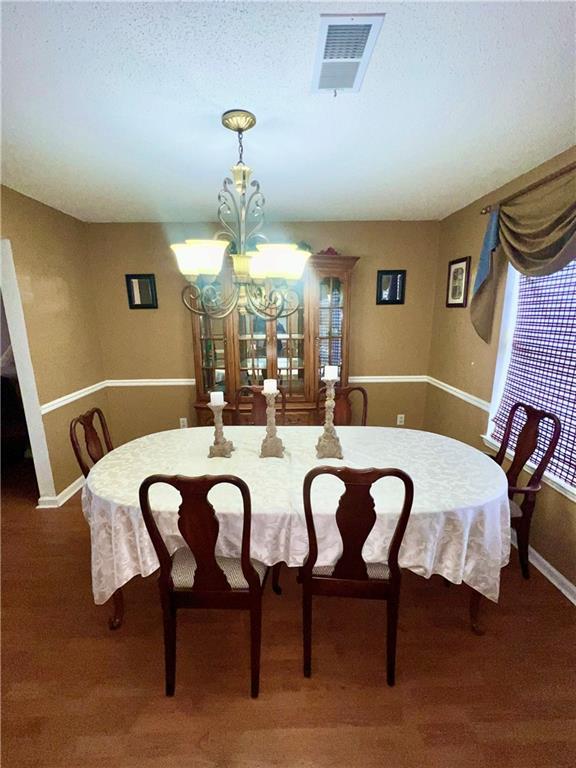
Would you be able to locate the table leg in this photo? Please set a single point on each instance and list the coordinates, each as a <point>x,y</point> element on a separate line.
<point>475,598</point>
<point>115,621</point>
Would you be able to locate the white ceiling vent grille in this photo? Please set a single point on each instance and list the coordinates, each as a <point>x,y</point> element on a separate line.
<point>344,50</point>
<point>346,41</point>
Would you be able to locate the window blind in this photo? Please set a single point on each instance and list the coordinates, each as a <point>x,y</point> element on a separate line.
<point>542,370</point>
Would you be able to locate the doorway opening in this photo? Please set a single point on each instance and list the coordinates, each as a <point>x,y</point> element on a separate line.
<point>26,468</point>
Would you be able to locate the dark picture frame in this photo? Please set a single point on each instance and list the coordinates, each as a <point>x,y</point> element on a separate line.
<point>390,286</point>
<point>141,291</point>
<point>457,282</point>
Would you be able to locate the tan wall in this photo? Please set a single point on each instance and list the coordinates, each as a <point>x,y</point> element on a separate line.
<point>460,358</point>
<point>58,297</point>
<point>49,251</point>
<point>387,400</point>
<point>139,343</point>
<point>137,411</point>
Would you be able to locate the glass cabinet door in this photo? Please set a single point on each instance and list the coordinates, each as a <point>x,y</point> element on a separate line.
<point>290,348</point>
<point>330,322</point>
<point>252,337</point>
<point>212,351</point>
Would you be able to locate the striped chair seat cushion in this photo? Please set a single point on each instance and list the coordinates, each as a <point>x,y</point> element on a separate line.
<point>515,510</point>
<point>375,570</point>
<point>184,568</point>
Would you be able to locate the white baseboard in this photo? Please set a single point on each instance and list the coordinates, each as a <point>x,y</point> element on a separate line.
<point>554,577</point>
<point>52,502</point>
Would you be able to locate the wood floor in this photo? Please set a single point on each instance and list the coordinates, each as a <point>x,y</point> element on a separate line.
<point>77,695</point>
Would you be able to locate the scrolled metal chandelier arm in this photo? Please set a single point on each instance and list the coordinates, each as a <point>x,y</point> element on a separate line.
<point>228,209</point>
<point>255,210</point>
<point>273,305</point>
<point>208,300</point>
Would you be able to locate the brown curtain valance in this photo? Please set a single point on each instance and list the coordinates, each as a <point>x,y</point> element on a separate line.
<point>538,227</point>
<point>535,231</point>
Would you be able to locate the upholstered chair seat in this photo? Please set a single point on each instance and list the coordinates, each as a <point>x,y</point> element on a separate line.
<point>184,569</point>
<point>375,570</point>
<point>515,510</point>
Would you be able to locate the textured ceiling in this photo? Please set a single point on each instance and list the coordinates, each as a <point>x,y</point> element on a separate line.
<point>111,111</point>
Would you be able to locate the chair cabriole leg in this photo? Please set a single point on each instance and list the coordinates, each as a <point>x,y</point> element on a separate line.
<point>115,621</point>
<point>255,643</point>
<point>475,599</point>
<point>307,628</point>
<point>276,578</point>
<point>523,540</point>
<point>391,635</point>
<point>169,612</point>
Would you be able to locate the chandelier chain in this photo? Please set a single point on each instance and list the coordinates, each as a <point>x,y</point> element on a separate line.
<point>240,147</point>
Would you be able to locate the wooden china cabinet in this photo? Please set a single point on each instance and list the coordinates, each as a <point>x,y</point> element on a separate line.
<point>242,349</point>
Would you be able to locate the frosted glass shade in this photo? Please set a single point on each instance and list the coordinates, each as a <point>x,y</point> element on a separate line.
<point>200,257</point>
<point>278,260</point>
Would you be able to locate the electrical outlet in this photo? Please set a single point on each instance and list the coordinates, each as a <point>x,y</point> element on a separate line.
<point>183,423</point>
<point>399,419</point>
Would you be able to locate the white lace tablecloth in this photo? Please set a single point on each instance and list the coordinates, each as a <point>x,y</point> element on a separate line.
<point>459,526</point>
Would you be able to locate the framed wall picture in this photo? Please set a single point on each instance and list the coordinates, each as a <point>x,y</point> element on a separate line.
<point>141,291</point>
<point>390,286</point>
<point>458,278</point>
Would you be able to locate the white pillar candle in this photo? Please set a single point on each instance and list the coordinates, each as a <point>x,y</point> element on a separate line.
<point>331,372</point>
<point>216,398</point>
<point>270,386</point>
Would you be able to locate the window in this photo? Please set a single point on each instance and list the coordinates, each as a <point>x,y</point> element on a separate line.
<point>537,363</point>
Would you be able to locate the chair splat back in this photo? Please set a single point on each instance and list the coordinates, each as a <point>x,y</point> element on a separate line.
<point>527,442</point>
<point>355,518</point>
<point>94,447</point>
<point>199,527</point>
<point>343,405</point>
<point>258,412</point>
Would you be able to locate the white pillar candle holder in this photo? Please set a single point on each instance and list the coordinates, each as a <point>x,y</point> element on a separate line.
<point>272,445</point>
<point>221,448</point>
<point>328,445</point>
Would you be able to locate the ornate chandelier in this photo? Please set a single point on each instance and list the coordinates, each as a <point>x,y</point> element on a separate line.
<point>255,261</point>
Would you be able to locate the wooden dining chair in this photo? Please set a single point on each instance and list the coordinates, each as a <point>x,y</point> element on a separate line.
<point>97,443</point>
<point>351,576</point>
<point>194,576</point>
<point>526,444</point>
<point>95,448</point>
<point>258,405</point>
<point>342,405</point>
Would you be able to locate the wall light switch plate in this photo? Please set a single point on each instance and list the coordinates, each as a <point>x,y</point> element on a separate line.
<point>400,420</point>
<point>183,423</point>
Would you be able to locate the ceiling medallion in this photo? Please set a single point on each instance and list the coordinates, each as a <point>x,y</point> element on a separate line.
<point>256,262</point>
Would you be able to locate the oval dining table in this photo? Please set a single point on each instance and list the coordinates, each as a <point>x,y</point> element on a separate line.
<point>459,525</point>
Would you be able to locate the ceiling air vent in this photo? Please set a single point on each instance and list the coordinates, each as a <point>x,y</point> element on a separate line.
<point>344,50</point>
